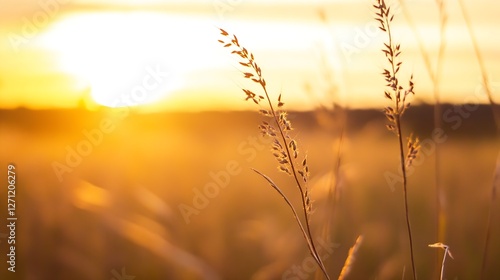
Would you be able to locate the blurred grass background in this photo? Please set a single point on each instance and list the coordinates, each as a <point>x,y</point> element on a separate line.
<point>119,208</point>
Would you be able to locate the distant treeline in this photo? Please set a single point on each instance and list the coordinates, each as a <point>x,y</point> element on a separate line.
<point>464,120</point>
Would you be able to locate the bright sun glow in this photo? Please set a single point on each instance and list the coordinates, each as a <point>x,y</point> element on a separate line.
<point>126,59</point>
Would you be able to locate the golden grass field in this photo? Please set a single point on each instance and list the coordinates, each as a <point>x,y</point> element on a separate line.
<point>128,202</point>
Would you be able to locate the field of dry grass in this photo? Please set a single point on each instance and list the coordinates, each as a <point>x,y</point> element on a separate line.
<point>172,196</point>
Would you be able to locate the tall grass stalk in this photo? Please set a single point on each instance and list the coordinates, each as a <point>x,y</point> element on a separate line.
<point>334,113</point>
<point>496,116</point>
<point>440,196</point>
<point>482,67</point>
<point>435,76</point>
<point>285,148</point>
<point>487,238</point>
<point>398,95</point>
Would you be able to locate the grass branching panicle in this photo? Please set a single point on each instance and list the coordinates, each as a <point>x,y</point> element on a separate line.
<point>398,95</point>
<point>284,147</point>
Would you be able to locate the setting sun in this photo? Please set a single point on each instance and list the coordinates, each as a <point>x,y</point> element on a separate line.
<point>249,139</point>
<point>104,51</point>
<point>117,55</point>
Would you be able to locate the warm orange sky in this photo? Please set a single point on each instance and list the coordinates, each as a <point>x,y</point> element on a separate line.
<point>57,53</point>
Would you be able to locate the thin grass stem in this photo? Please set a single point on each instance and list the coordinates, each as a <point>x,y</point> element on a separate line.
<point>496,117</point>
<point>397,95</point>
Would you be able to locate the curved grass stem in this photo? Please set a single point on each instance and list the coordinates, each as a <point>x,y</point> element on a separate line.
<point>285,148</point>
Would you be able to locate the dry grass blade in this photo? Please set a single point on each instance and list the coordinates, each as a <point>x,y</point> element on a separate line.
<point>397,94</point>
<point>446,252</point>
<point>295,215</point>
<point>140,230</point>
<point>351,257</point>
<point>140,233</point>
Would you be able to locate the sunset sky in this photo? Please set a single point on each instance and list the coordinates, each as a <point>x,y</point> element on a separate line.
<point>164,55</point>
